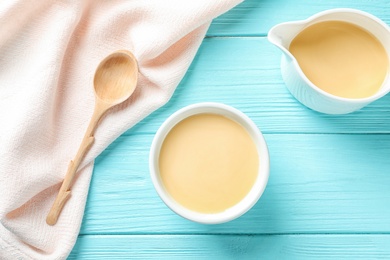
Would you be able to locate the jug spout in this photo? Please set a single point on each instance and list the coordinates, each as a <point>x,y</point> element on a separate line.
<point>282,34</point>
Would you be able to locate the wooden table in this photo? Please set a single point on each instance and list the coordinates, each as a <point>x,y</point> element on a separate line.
<point>328,195</point>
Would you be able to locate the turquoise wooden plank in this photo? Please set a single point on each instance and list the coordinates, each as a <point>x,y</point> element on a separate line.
<point>329,174</point>
<point>244,73</point>
<point>255,17</point>
<point>233,247</point>
<point>318,184</point>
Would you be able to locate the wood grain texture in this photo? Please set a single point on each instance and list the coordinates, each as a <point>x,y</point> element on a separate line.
<point>328,193</point>
<point>255,17</point>
<point>318,184</point>
<point>233,247</point>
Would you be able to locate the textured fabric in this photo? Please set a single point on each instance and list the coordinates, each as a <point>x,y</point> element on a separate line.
<point>49,51</point>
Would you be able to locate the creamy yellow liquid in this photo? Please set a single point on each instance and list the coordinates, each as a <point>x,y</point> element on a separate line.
<point>208,163</point>
<point>341,58</point>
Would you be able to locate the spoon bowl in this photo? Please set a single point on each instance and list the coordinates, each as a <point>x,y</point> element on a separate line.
<point>116,77</point>
<point>115,80</point>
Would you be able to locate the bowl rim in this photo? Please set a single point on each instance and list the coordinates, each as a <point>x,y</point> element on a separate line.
<point>264,163</point>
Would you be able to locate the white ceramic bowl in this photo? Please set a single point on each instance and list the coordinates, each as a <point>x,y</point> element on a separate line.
<point>296,81</point>
<point>254,194</point>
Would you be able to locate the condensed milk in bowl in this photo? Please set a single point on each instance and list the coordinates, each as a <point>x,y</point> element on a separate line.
<point>336,61</point>
<point>209,163</point>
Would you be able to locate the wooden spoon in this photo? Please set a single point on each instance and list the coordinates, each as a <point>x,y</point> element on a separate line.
<point>115,80</point>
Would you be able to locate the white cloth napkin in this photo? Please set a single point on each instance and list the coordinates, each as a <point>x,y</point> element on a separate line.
<point>49,51</point>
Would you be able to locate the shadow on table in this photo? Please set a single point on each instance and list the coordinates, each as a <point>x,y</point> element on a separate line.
<point>237,21</point>
<point>374,118</point>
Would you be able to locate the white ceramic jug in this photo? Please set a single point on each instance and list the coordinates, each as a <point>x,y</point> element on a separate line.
<point>300,86</point>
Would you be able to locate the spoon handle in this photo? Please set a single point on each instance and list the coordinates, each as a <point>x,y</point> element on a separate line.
<point>64,193</point>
